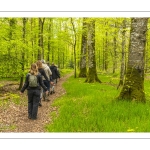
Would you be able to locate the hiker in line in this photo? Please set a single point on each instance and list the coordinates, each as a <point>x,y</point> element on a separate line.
<point>46,83</point>
<point>33,84</point>
<point>41,70</point>
<point>55,75</point>
<point>58,74</point>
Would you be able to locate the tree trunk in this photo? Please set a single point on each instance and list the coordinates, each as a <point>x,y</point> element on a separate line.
<point>74,46</point>
<point>23,51</point>
<point>83,69</point>
<point>49,39</point>
<point>133,88</point>
<point>41,46</point>
<point>115,50</point>
<point>92,73</point>
<point>122,70</point>
<point>106,53</point>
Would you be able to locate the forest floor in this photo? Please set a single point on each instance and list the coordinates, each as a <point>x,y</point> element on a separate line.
<point>14,117</point>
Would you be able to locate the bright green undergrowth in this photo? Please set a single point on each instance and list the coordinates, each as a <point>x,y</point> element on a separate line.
<point>93,108</point>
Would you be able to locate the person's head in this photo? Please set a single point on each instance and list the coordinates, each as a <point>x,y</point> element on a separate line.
<point>39,64</point>
<point>34,69</point>
<point>43,61</point>
<point>53,64</point>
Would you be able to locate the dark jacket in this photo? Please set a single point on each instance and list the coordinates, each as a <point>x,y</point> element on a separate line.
<point>40,81</point>
<point>55,73</point>
<point>41,70</point>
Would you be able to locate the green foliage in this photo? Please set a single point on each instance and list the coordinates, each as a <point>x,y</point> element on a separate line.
<point>94,108</point>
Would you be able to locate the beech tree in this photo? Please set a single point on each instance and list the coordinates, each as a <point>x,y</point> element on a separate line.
<point>133,88</point>
<point>83,69</point>
<point>92,72</point>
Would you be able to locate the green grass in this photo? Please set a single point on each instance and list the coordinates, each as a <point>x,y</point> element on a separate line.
<point>93,108</point>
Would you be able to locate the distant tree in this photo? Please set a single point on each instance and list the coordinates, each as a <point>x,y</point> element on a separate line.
<point>122,70</point>
<point>40,41</point>
<point>24,21</point>
<point>133,88</point>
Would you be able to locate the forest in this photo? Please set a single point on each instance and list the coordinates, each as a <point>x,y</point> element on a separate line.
<point>108,59</point>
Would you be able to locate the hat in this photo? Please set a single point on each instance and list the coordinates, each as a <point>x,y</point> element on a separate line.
<point>43,61</point>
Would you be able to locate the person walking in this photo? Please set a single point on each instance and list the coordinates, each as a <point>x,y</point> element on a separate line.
<point>48,74</point>
<point>33,84</point>
<point>41,70</point>
<point>55,75</point>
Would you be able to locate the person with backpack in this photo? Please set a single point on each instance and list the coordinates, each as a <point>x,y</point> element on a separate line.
<point>33,84</point>
<point>55,75</point>
<point>41,70</point>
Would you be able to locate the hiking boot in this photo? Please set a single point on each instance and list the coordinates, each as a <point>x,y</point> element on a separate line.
<point>40,104</point>
<point>29,117</point>
<point>44,96</point>
<point>33,118</point>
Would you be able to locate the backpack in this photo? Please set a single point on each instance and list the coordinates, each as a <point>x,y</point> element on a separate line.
<point>33,80</point>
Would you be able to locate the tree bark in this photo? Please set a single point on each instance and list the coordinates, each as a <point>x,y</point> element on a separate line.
<point>92,73</point>
<point>24,20</point>
<point>41,46</point>
<point>133,88</point>
<point>83,69</point>
<point>122,70</point>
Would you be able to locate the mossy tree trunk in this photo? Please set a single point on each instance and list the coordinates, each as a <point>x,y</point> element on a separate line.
<point>83,69</point>
<point>92,73</point>
<point>133,88</point>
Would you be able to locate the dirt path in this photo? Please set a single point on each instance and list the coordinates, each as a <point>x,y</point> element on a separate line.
<point>14,117</point>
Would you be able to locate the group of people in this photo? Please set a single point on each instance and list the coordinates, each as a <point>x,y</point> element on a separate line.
<point>40,83</point>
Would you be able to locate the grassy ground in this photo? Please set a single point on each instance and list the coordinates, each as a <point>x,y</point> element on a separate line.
<point>93,108</point>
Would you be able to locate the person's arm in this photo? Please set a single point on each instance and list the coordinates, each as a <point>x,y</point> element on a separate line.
<point>50,72</point>
<point>26,84</point>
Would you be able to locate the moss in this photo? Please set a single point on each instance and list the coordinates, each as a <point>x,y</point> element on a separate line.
<point>82,73</point>
<point>92,76</point>
<point>133,88</point>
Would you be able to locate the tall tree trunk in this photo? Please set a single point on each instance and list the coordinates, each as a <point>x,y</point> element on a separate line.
<point>74,46</point>
<point>49,39</point>
<point>92,73</point>
<point>24,20</point>
<point>122,70</point>
<point>41,46</point>
<point>83,69</point>
<point>115,50</point>
<point>147,55</point>
<point>133,88</point>
<point>106,52</point>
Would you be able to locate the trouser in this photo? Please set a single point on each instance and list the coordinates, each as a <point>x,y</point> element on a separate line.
<point>33,102</point>
<point>53,85</point>
<point>47,84</point>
